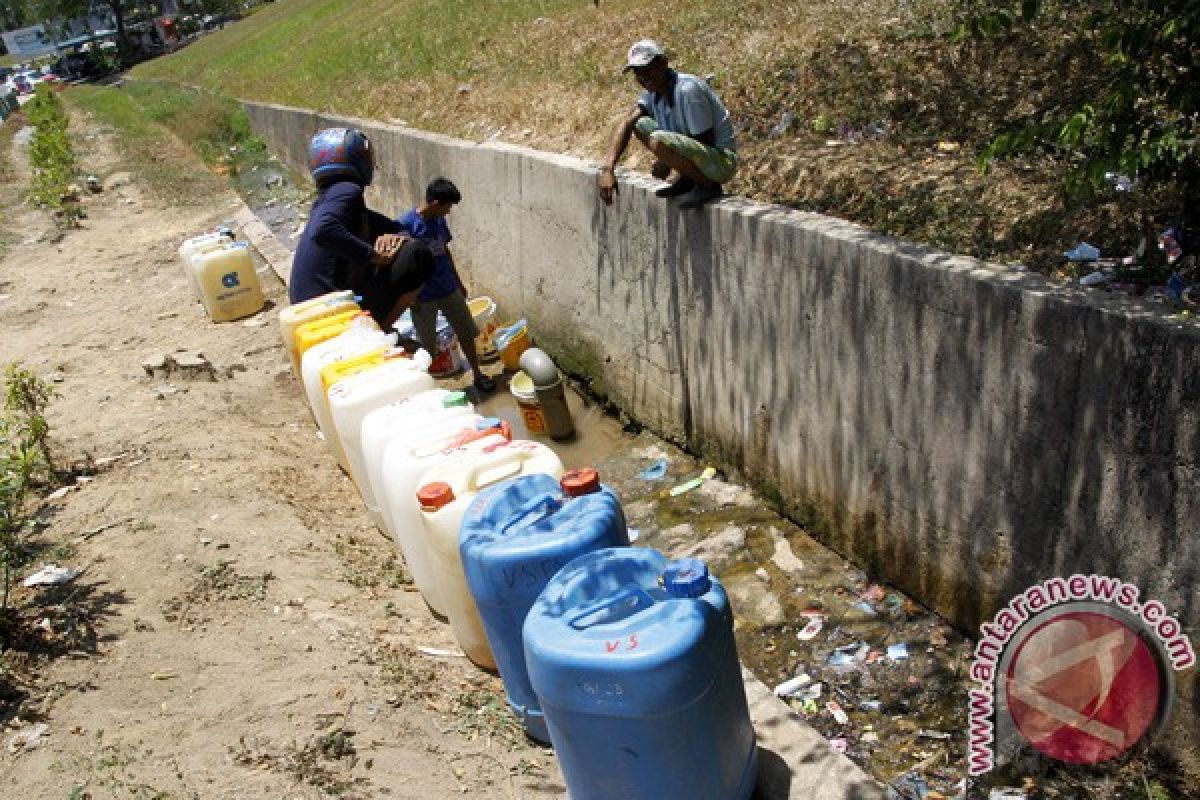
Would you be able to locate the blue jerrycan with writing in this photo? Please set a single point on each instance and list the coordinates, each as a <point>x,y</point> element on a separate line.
<point>513,540</point>
<point>633,660</point>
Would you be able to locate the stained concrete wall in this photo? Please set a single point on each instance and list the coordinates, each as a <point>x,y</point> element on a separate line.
<point>962,429</point>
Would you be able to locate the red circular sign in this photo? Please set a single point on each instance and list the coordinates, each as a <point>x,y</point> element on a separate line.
<point>1083,687</point>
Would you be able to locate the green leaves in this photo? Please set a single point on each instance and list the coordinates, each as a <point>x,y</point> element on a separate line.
<point>51,154</point>
<point>24,462</point>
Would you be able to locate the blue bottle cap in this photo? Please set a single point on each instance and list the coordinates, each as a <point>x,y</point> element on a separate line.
<point>686,577</point>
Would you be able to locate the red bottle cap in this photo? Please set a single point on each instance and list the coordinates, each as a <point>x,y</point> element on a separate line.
<point>433,496</point>
<point>580,482</point>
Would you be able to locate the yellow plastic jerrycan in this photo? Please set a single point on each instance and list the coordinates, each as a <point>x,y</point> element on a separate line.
<point>318,308</point>
<point>228,284</point>
<point>310,334</point>
<point>213,240</point>
<point>361,335</point>
<point>447,489</point>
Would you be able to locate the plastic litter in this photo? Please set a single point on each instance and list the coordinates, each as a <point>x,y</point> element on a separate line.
<point>849,654</point>
<point>52,575</point>
<point>503,336</point>
<point>28,738</point>
<point>897,652</point>
<point>634,534</point>
<point>866,608</point>
<point>911,786</point>
<point>1082,252</point>
<point>792,685</point>
<point>655,471</point>
<point>694,483</point>
<point>439,652</point>
<point>1097,278</point>
<point>839,744</point>
<point>810,630</point>
<point>1007,793</point>
<point>782,126</point>
<point>837,713</point>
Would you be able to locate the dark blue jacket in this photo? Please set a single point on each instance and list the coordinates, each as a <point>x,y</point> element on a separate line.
<point>335,250</point>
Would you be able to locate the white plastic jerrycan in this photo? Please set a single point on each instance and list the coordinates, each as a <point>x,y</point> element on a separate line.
<point>409,417</point>
<point>213,240</point>
<point>351,399</point>
<point>292,317</point>
<point>446,491</point>
<point>405,460</point>
<point>227,281</point>
<point>361,336</point>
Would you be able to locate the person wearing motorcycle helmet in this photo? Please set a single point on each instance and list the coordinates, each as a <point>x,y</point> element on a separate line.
<point>346,245</point>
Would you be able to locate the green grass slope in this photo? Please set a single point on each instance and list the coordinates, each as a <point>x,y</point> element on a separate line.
<point>885,113</point>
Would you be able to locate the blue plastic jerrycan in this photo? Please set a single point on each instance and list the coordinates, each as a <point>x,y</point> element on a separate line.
<point>513,540</point>
<point>633,660</point>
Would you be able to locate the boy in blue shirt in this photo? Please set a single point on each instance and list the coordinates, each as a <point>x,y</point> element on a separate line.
<point>444,291</point>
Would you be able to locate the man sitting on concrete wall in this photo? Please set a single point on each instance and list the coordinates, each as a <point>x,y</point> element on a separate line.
<point>679,119</point>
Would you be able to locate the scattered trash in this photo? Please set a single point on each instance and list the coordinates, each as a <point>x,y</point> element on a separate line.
<point>866,608</point>
<point>28,738</point>
<point>1082,252</point>
<point>849,654</point>
<point>655,471</point>
<point>897,652</point>
<point>165,675</point>
<point>1097,278</point>
<point>871,705</point>
<point>634,535</point>
<point>939,735</point>
<point>52,575</point>
<point>838,714</point>
<point>438,652</point>
<point>1168,242</point>
<point>90,532</point>
<point>59,493</point>
<point>792,685</point>
<point>1122,183</point>
<point>868,737</point>
<point>810,630</point>
<point>782,126</point>
<point>873,594</point>
<point>910,787</point>
<point>694,483</point>
<point>1007,793</point>
<point>839,744</point>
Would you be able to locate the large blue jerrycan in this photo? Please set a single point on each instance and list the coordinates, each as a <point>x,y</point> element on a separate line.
<point>514,539</point>
<point>634,663</point>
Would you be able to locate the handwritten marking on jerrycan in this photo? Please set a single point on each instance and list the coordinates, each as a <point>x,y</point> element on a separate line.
<point>633,660</point>
<point>515,537</point>
<point>447,491</point>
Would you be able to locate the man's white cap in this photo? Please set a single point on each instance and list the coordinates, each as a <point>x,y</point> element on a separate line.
<point>643,52</point>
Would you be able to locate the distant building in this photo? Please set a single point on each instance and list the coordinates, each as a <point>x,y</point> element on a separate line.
<point>28,42</point>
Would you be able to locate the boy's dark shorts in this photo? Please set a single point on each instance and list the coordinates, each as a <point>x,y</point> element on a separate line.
<point>458,314</point>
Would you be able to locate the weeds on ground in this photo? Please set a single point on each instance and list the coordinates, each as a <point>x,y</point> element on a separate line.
<point>325,760</point>
<point>25,465</point>
<point>52,158</point>
<point>110,767</point>
<point>480,713</point>
<point>213,584</point>
<point>367,565</point>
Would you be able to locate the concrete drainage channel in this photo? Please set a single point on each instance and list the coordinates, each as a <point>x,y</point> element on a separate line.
<point>874,686</point>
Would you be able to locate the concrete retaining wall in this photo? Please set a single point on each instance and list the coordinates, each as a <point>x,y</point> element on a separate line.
<point>961,429</point>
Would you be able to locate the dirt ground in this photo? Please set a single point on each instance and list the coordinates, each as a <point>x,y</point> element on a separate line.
<point>240,629</point>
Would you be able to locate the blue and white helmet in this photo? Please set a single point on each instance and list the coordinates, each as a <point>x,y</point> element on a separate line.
<point>340,154</point>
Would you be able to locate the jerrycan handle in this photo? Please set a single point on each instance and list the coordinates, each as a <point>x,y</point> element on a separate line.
<point>535,510</point>
<point>504,463</point>
<point>623,603</point>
